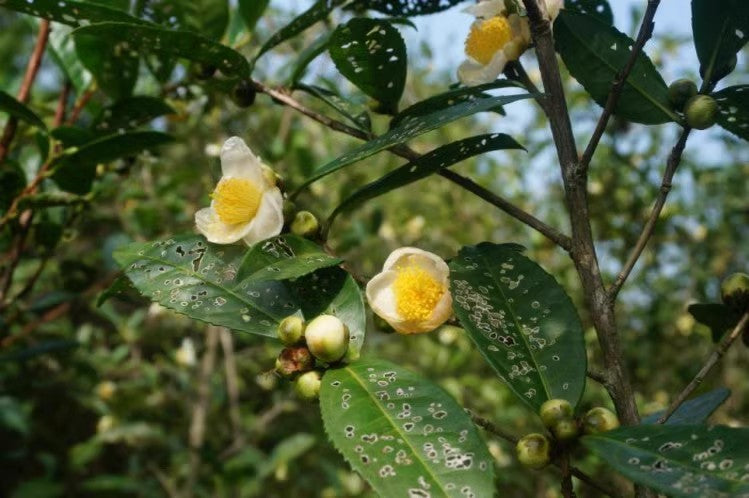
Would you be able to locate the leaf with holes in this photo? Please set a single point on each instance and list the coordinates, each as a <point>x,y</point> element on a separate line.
<point>695,411</point>
<point>594,52</point>
<point>284,257</point>
<point>428,164</point>
<point>185,44</point>
<point>130,113</point>
<point>733,110</point>
<point>522,322</point>
<point>719,33</point>
<point>717,316</point>
<point>412,127</point>
<point>599,9</point>
<point>251,11</point>
<point>405,435</point>
<point>406,7</point>
<point>679,460</point>
<point>372,55</point>
<point>69,12</point>
<point>355,114</point>
<point>199,279</point>
<point>19,111</point>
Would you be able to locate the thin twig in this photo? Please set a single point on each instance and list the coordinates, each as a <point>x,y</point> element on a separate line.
<point>672,164</point>
<point>617,86</point>
<point>568,491</point>
<point>725,343</point>
<point>62,104</point>
<point>599,376</point>
<point>79,106</point>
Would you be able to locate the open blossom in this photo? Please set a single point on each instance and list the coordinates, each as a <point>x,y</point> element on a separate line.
<point>246,204</point>
<point>495,39</point>
<point>411,293</point>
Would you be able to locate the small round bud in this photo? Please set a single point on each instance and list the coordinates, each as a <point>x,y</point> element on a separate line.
<point>106,390</point>
<point>734,290</point>
<point>555,410</point>
<point>599,420</point>
<point>295,360</point>
<point>106,423</point>
<point>680,91</point>
<point>701,111</point>
<point>327,338</point>
<point>243,94</point>
<point>291,330</point>
<point>305,224</point>
<point>534,451</point>
<point>308,384</point>
<point>565,430</point>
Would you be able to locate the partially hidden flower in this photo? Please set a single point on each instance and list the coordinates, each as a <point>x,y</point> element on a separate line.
<point>246,204</point>
<point>411,293</point>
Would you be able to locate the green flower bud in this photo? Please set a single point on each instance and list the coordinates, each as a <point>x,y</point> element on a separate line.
<point>291,330</point>
<point>680,91</point>
<point>555,410</point>
<point>734,290</point>
<point>599,420</point>
<point>243,94</point>
<point>308,384</point>
<point>327,338</point>
<point>701,111</point>
<point>565,430</point>
<point>305,224</point>
<point>534,451</point>
<point>292,361</point>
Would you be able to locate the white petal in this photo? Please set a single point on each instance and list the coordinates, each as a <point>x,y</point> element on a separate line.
<point>381,298</point>
<point>268,220</point>
<point>486,9</point>
<point>472,73</point>
<point>553,7</point>
<point>238,161</point>
<point>216,231</point>
<point>441,313</point>
<point>426,260</point>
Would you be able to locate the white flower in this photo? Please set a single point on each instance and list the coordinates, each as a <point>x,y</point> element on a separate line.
<point>246,205</point>
<point>553,7</point>
<point>185,355</point>
<point>411,293</point>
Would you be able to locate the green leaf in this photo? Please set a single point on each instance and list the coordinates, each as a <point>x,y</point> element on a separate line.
<point>129,113</point>
<point>284,257</point>
<point>185,44</point>
<point>594,52</point>
<point>20,111</point>
<point>733,110</point>
<point>719,33</point>
<point>412,127</point>
<point>406,7</point>
<point>695,411</point>
<point>356,115</point>
<point>74,171</point>
<point>62,48</point>
<point>522,322</point>
<point>309,54</point>
<point>719,317</point>
<point>207,17</point>
<point>679,460</point>
<point>251,11</point>
<point>49,199</point>
<point>428,164</point>
<point>371,54</point>
<point>600,9</point>
<point>39,349</point>
<point>69,12</point>
<point>405,435</point>
<point>199,279</point>
<point>72,136</point>
<point>113,64</point>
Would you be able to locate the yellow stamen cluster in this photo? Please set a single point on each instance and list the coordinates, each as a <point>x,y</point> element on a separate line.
<point>236,200</point>
<point>416,293</point>
<point>487,37</point>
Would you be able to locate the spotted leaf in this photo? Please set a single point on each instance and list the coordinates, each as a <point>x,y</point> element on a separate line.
<point>695,411</point>
<point>719,34</point>
<point>599,9</point>
<point>69,12</point>
<point>522,322</point>
<point>733,110</point>
<point>405,435</point>
<point>679,460</point>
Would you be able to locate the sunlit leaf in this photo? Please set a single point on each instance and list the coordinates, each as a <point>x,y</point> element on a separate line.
<point>694,411</point>
<point>733,110</point>
<point>284,257</point>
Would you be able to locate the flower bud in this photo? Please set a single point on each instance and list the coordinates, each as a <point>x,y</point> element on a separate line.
<point>734,290</point>
<point>534,451</point>
<point>599,420</point>
<point>106,423</point>
<point>106,390</point>
<point>307,385</point>
<point>680,91</point>
<point>291,330</point>
<point>294,360</point>
<point>565,430</point>
<point>327,338</point>
<point>701,111</point>
<point>243,94</point>
<point>554,411</point>
<point>305,224</point>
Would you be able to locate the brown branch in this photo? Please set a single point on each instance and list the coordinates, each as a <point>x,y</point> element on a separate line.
<point>617,86</point>
<point>725,343</point>
<point>62,104</point>
<point>672,164</point>
<point>404,151</point>
<point>568,491</point>
<point>79,105</point>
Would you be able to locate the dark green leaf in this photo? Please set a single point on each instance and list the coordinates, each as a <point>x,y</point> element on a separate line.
<point>113,64</point>
<point>405,435</point>
<point>599,9</point>
<point>695,411</point>
<point>309,54</point>
<point>733,110</point>
<point>594,52</point>
<point>42,348</point>
<point>372,55</point>
<point>62,48</point>
<point>122,286</point>
<point>18,110</point>
<point>522,322</point>
<point>72,136</point>
<point>719,317</point>
<point>251,11</point>
<point>679,460</point>
<point>719,33</point>
<point>130,113</point>
<point>412,127</point>
<point>50,199</point>
<point>406,7</point>
<point>357,115</point>
<point>206,17</point>
<point>13,180</point>
<point>70,12</point>
<point>428,164</point>
<point>282,258</point>
<point>185,44</point>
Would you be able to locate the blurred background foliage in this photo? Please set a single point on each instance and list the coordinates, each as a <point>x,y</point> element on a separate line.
<point>130,399</point>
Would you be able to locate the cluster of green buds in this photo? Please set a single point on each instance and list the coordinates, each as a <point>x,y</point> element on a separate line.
<point>536,450</point>
<point>700,111</point>
<point>310,347</point>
